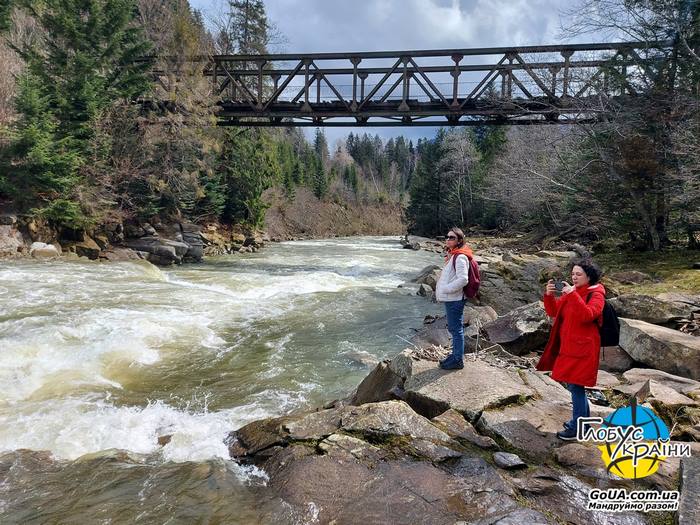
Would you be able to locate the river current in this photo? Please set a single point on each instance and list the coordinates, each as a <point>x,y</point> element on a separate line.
<point>98,360</point>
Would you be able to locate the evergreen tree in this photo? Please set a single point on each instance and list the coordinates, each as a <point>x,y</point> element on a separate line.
<point>78,66</point>
<point>249,167</point>
<point>425,212</point>
<point>320,182</point>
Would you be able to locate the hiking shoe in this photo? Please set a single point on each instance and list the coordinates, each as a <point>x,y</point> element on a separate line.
<point>569,426</point>
<point>452,365</point>
<point>567,435</point>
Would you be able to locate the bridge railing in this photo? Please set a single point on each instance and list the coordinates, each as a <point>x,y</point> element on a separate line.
<point>533,84</point>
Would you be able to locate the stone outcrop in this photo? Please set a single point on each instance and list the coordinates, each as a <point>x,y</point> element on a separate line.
<point>661,348</point>
<point>656,310</point>
<point>522,330</point>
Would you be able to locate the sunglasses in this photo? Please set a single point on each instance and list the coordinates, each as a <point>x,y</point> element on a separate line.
<point>452,237</point>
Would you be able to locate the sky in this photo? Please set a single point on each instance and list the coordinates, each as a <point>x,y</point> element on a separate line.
<point>387,25</point>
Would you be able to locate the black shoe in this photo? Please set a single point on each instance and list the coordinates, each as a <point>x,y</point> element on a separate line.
<point>567,435</point>
<point>452,365</point>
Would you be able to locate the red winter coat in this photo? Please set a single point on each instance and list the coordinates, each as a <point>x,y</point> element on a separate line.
<point>573,349</point>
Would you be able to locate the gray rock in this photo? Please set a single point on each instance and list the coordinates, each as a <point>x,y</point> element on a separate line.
<point>314,426</point>
<point>428,275</point>
<point>459,428</point>
<point>390,418</point>
<point>689,505</point>
<point>8,220</point>
<point>630,277</point>
<point>11,241</point>
<point>606,380</point>
<point>434,333</point>
<point>43,250</point>
<point>469,391</point>
<point>661,348</point>
<point>650,309</point>
<point>330,489</point>
<point>615,359</point>
<point>508,461</point>
<point>679,384</point>
<point>161,251</point>
<point>521,330</point>
<point>377,385</point>
<point>425,290</point>
<point>516,517</point>
<point>566,497</point>
<point>659,393</point>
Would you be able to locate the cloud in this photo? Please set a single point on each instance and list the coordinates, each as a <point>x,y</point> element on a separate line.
<point>392,25</point>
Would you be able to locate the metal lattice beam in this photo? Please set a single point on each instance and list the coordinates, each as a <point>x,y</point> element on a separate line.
<point>458,87</point>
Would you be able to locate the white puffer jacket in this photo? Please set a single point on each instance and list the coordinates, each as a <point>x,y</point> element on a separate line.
<point>450,284</point>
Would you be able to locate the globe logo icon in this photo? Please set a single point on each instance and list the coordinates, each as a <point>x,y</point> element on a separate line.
<point>620,461</point>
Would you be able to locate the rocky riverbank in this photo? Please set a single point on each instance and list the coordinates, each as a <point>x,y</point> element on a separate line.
<point>159,243</point>
<point>416,444</point>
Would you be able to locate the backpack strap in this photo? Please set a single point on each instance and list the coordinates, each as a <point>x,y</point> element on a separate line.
<point>599,319</point>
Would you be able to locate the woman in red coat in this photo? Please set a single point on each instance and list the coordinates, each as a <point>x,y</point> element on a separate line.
<point>573,349</point>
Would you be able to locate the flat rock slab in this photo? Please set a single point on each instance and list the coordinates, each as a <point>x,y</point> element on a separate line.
<point>659,393</point>
<point>530,428</point>
<point>546,388</point>
<point>566,497</point>
<point>679,384</point>
<point>325,489</point>
<point>476,387</point>
<point>606,380</point>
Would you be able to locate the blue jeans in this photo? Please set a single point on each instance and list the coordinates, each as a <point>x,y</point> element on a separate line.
<point>455,325</point>
<point>580,404</point>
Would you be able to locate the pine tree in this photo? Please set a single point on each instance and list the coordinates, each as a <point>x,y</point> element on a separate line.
<point>320,182</point>
<point>80,64</point>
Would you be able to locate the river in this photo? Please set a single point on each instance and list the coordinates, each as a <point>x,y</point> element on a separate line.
<point>98,360</point>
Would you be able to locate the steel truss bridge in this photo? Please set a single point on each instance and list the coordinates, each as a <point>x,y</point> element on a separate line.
<point>551,84</point>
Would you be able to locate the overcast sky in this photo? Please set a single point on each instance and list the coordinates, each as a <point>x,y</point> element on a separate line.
<point>387,25</point>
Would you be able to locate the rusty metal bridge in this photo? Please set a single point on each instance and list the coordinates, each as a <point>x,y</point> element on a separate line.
<point>508,85</point>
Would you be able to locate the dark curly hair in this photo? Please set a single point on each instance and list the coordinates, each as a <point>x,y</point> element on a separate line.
<point>590,268</point>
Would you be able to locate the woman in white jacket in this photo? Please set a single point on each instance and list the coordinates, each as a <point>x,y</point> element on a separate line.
<point>450,290</point>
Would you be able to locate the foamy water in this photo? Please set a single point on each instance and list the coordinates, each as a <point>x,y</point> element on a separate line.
<point>99,356</point>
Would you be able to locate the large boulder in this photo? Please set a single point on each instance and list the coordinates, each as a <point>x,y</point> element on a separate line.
<point>87,247</point>
<point>428,275</point>
<point>378,385</point>
<point>615,359</point>
<point>11,240</point>
<point>650,309</point>
<point>516,280</point>
<point>680,384</point>
<point>192,236</point>
<point>349,482</point>
<point>521,330</point>
<point>160,251</point>
<point>661,348</point>
<point>42,250</point>
<point>431,390</point>
<point>530,427</point>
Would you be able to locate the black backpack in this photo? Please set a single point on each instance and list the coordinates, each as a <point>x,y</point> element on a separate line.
<point>610,329</point>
